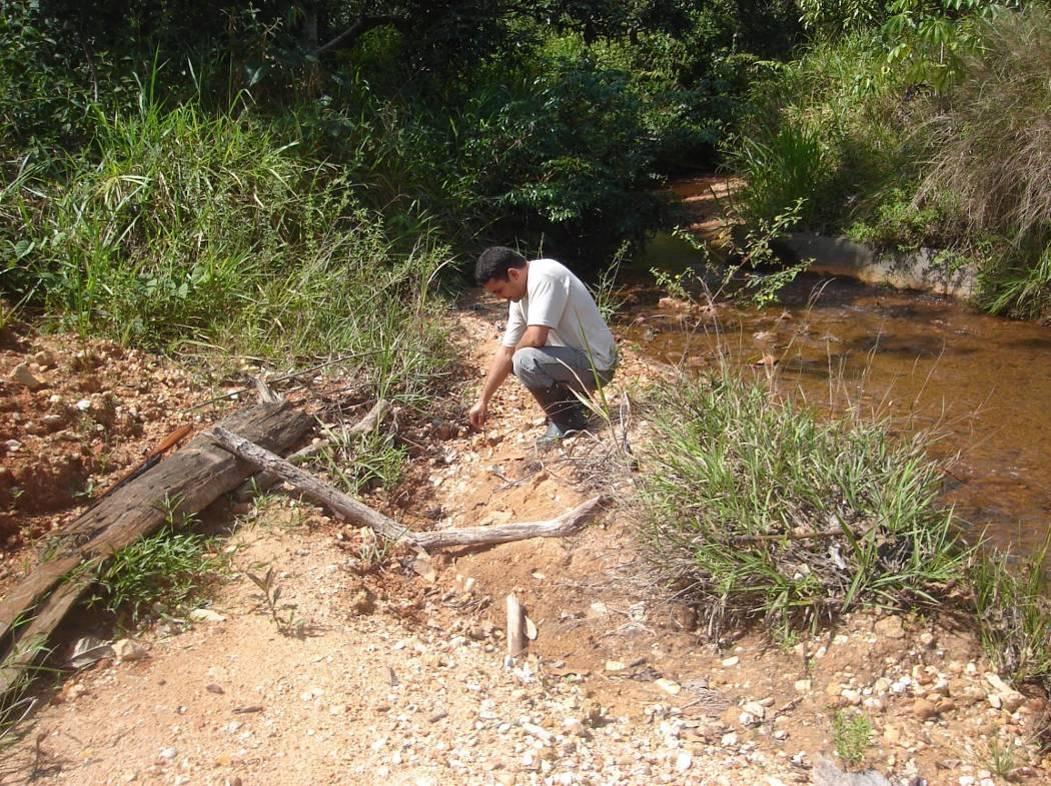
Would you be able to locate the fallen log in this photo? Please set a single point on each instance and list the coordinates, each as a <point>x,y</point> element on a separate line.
<point>359,514</point>
<point>185,483</point>
<point>264,481</point>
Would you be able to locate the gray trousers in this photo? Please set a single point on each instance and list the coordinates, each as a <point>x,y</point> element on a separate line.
<point>542,367</point>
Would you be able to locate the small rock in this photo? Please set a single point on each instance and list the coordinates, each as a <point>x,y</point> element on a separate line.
<point>128,649</point>
<point>924,709</point>
<point>890,627</point>
<point>803,686</point>
<point>755,708</point>
<point>21,375</point>
<point>167,754</point>
<point>683,761</point>
<point>731,662</point>
<point>206,615</point>
<point>668,686</point>
<point>853,697</point>
<point>211,687</point>
<point>44,358</point>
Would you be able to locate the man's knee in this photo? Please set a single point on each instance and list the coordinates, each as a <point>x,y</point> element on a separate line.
<point>526,366</point>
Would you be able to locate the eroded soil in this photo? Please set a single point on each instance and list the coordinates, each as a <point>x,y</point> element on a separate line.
<point>384,669</point>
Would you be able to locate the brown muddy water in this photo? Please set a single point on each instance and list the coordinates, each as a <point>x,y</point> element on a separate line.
<point>980,385</point>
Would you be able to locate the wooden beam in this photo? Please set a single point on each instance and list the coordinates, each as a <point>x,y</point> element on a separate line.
<point>185,483</point>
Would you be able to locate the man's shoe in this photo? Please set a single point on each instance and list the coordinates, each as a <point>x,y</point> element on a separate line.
<point>565,414</point>
<point>551,436</point>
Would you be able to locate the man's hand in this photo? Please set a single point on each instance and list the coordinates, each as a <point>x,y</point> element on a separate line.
<point>477,414</point>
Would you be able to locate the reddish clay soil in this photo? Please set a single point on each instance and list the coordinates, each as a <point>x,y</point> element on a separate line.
<point>391,669</point>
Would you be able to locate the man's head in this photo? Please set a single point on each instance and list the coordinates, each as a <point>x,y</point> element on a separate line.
<point>503,272</point>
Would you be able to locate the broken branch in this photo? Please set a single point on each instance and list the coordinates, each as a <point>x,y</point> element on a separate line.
<point>359,514</point>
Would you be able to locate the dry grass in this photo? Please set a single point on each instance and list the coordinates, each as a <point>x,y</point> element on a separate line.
<point>992,136</point>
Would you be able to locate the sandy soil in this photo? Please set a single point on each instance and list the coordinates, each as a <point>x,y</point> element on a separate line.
<point>390,674</point>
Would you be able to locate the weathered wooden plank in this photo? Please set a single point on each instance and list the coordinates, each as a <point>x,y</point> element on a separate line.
<point>186,482</point>
<point>32,641</point>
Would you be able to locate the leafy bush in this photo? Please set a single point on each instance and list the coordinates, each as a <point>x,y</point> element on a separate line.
<point>826,128</point>
<point>565,154</point>
<point>755,508</point>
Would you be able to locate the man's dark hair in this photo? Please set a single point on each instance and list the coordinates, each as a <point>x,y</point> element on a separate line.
<point>494,263</point>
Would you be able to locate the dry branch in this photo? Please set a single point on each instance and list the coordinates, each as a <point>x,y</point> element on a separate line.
<point>360,514</point>
<point>264,481</point>
<point>515,627</point>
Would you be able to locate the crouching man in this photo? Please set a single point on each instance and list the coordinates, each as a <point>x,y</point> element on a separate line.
<point>556,341</point>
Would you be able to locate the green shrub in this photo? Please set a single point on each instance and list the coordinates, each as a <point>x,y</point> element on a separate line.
<point>851,736</point>
<point>828,128</point>
<point>755,508</point>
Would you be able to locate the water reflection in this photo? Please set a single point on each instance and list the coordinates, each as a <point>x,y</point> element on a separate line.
<point>982,383</point>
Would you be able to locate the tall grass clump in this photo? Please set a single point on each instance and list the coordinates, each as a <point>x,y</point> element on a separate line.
<point>169,569</point>
<point>181,228</point>
<point>756,509</point>
<point>991,137</point>
<point>1014,613</point>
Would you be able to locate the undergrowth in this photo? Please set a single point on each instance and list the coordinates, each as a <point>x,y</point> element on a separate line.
<point>757,509</point>
<point>181,230</point>
<point>166,571</point>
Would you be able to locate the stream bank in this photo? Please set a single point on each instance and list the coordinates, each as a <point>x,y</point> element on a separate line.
<point>401,676</point>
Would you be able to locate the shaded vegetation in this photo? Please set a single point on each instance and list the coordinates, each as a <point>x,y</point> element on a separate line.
<point>915,123</point>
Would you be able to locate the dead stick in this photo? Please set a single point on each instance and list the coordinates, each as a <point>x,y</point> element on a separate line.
<point>566,524</point>
<point>515,635</point>
<point>359,514</point>
<point>265,481</point>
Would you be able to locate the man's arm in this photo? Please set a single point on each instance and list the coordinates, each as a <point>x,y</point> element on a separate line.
<point>499,368</point>
<point>534,336</point>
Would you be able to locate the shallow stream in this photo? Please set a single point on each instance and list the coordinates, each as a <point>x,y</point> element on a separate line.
<point>981,384</point>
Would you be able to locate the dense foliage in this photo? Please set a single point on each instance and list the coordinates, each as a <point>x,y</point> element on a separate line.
<point>915,123</point>
<point>458,123</point>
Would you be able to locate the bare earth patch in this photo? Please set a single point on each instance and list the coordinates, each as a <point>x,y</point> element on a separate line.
<point>389,676</point>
